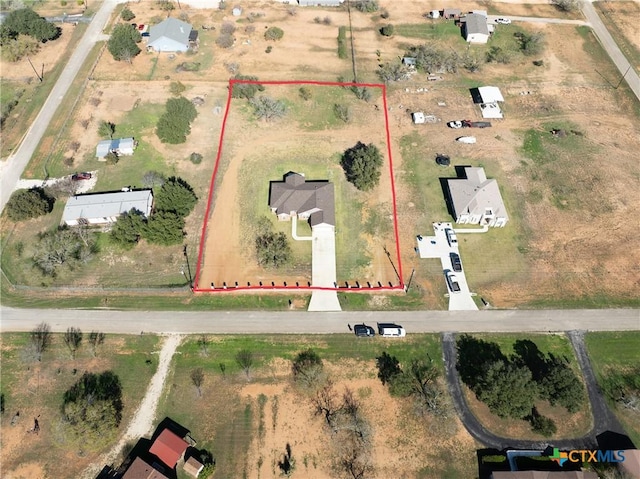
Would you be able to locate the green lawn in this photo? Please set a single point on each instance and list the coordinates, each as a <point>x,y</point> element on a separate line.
<point>614,353</point>
<point>429,30</point>
<point>36,390</point>
<point>556,344</point>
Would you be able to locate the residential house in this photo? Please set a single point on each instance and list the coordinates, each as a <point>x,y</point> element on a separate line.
<point>476,200</point>
<point>488,97</point>
<point>171,35</point>
<point>476,29</point>
<point>105,208</point>
<point>140,469</point>
<point>169,448</point>
<point>119,146</point>
<point>308,200</point>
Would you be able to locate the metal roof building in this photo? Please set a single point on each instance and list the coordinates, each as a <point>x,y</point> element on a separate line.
<point>105,208</point>
<point>170,35</point>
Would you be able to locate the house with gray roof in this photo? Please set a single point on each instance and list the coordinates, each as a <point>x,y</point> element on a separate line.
<point>119,146</point>
<point>308,200</point>
<point>100,209</point>
<point>476,200</point>
<point>476,29</point>
<point>171,35</point>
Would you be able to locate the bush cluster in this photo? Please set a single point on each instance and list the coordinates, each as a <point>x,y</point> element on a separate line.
<point>175,124</point>
<point>342,42</point>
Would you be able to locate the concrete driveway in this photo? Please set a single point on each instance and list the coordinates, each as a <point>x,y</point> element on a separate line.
<point>323,269</point>
<point>437,246</point>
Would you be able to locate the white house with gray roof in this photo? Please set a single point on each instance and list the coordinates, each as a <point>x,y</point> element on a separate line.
<point>105,208</point>
<point>170,35</point>
<point>476,29</point>
<point>477,200</point>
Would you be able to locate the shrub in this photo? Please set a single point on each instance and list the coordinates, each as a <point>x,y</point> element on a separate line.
<point>542,424</point>
<point>195,158</point>
<point>127,15</point>
<point>384,13</point>
<point>246,90</point>
<point>566,5</point>
<point>225,41</point>
<point>27,204</point>
<point>227,28</point>
<point>317,20</point>
<point>530,44</point>
<point>268,49</point>
<point>177,88</point>
<point>387,30</point>
<point>164,228</point>
<point>267,108</point>
<point>112,158</point>
<point>305,93</point>
<point>20,47</point>
<point>175,124</point>
<point>273,33</point>
<point>326,21</point>
<point>342,42</point>
<point>366,6</point>
<point>342,112</point>
<point>272,249</point>
<point>165,5</point>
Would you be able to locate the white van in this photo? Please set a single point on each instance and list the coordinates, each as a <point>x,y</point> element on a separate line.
<point>390,330</point>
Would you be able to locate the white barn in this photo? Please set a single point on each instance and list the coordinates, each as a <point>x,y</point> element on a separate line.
<point>476,29</point>
<point>105,208</point>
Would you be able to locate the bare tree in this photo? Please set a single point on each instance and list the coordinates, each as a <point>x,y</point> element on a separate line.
<point>203,342</point>
<point>41,339</point>
<point>96,338</point>
<point>325,402</point>
<point>197,378</point>
<point>244,358</point>
<point>268,108</point>
<point>73,338</point>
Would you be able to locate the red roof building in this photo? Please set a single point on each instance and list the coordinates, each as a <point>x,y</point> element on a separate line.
<point>169,448</point>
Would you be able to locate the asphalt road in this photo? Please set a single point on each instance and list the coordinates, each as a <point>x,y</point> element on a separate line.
<point>610,46</point>
<point>17,162</point>
<point>303,322</point>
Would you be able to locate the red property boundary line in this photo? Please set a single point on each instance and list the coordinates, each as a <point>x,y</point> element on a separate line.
<point>285,287</point>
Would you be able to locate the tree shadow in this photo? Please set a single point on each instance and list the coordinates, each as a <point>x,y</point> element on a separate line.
<point>473,356</point>
<point>286,463</point>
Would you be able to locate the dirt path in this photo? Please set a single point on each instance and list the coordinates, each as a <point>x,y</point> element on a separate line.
<point>143,419</point>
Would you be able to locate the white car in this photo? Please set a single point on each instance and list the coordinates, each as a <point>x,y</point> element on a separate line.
<point>452,280</point>
<point>451,237</point>
<point>466,139</point>
<point>503,21</point>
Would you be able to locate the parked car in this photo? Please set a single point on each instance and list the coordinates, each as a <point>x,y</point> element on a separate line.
<point>456,264</point>
<point>363,331</point>
<point>391,330</point>
<point>451,237</point>
<point>466,139</point>
<point>455,124</point>
<point>452,280</point>
<point>81,176</point>
<point>503,21</point>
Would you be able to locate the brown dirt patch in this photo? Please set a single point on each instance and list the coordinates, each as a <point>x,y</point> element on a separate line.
<point>26,471</point>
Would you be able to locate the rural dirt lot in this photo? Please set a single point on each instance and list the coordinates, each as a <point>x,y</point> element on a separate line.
<point>569,199</point>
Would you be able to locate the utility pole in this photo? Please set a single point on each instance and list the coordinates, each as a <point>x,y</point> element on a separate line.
<point>621,79</point>
<point>184,250</point>
<point>36,71</point>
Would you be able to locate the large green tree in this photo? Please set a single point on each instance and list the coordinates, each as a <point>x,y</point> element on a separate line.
<point>175,124</point>
<point>362,164</point>
<point>561,385</point>
<point>123,43</point>
<point>164,228</point>
<point>507,389</point>
<point>26,204</point>
<point>176,196</point>
<point>27,22</point>
<point>92,409</point>
<point>272,249</point>
<point>128,228</point>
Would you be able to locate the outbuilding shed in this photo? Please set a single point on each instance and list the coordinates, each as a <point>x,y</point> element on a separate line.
<point>488,97</point>
<point>119,146</point>
<point>105,208</point>
<point>476,29</point>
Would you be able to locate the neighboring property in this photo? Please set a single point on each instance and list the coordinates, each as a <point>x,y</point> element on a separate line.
<point>105,208</point>
<point>319,3</point>
<point>169,448</point>
<point>476,200</point>
<point>488,97</point>
<point>476,29</point>
<point>140,469</point>
<point>308,200</point>
<point>172,35</point>
<point>193,467</point>
<point>119,146</point>
<point>451,13</point>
